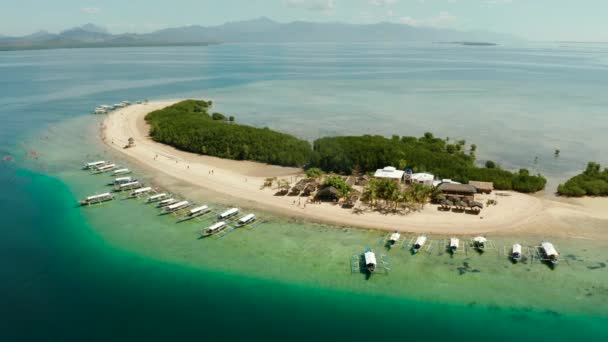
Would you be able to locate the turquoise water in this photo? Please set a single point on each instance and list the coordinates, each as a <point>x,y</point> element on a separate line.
<point>120,272</point>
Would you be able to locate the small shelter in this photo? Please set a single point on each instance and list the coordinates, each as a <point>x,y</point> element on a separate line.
<point>461,191</point>
<point>483,187</point>
<point>390,172</point>
<point>421,178</point>
<point>328,194</point>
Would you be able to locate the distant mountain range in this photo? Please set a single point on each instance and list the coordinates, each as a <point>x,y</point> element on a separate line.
<point>261,30</point>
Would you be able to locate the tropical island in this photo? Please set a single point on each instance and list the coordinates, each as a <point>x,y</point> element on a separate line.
<point>189,126</point>
<point>592,182</point>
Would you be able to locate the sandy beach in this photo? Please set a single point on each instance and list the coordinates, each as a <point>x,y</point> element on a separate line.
<point>240,182</point>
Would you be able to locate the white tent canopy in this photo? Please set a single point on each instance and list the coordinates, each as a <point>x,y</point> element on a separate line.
<point>389,172</point>
<point>370,258</point>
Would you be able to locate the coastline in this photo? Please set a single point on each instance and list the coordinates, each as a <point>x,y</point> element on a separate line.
<point>239,182</point>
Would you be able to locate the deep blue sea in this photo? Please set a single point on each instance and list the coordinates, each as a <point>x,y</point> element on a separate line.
<point>119,273</point>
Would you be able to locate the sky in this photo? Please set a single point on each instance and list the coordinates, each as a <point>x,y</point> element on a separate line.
<point>539,20</point>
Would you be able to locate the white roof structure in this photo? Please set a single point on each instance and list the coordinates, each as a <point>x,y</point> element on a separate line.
<point>141,191</point>
<point>389,172</point>
<point>198,209</point>
<point>119,171</point>
<point>217,226</point>
<point>126,185</point>
<point>229,212</point>
<point>454,242</point>
<point>106,167</point>
<point>423,178</point>
<point>246,218</point>
<point>178,205</point>
<point>440,181</point>
<point>167,201</point>
<point>96,163</point>
<point>123,179</point>
<point>370,258</point>
<point>549,249</point>
<point>395,236</point>
<point>516,249</point>
<point>107,194</point>
<point>420,241</point>
<point>152,198</point>
<point>480,239</point>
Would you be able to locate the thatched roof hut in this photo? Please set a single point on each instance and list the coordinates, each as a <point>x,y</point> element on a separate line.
<point>310,188</point>
<point>482,187</point>
<point>328,194</point>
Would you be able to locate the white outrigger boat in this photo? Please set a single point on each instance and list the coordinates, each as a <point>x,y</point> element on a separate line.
<point>95,199</point>
<point>550,253</point>
<point>370,260</point>
<point>453,246</point>
<point>106,107</point>
<point>125,103</point>
<point>419,243</point>
<point>92,165</point>
<point>121,172</point>
<point>122,180</point>
<point>156,198</point>
<point>214,229</point>
<point>245,220</point>
<point>516,254</point>
<point>104,168</point>
<point>166,202</point>
<point>195,212</point>
<point>140,191</point>
<point>392,240</point>
<point>176,207</point>
<point>228,213</point>
<point>100,110</point>
<point>129,186</point>
<point>479,243</point>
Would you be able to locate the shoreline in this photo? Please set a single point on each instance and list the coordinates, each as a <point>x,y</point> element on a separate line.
<point>239,182</point>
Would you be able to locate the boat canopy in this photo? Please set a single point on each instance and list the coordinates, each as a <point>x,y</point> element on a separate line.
<point>198,209</point>
<point>154,197</point>
<point>126,185</point>
<point>246,218</point>
<point>121,171</point>
<point>106,167</point>
<point>91,198</point>
<point>178,205</point>
<point>229,212</point>
<point>123,179</point>
<point>516,249</point>
<point>549,249</point>
<point>421,240</point>
<point>454,242</point>
<point>217,226</point>
<point>395,237</point>
<point>142,190</point>
<point>168,200</point>
<point>370,258</point>
<point>480,239</point>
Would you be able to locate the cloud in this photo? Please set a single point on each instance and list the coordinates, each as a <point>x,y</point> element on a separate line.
<point>312,5</point>
<point>442,19</point>
<point>381,2</point>
<point>90,10</point>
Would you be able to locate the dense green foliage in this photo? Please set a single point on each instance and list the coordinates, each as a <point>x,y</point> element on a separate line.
<point>386,193</point>
<point>426,154</point>
<point>592,182</point>
<point>314,172</point>
<point>188,126</point>
<point>338,183</point>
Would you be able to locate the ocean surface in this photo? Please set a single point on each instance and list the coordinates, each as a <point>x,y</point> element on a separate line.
<point>122,272</point>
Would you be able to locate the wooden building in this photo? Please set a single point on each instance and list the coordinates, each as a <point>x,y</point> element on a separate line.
<point>483,187</point>
<point>464,192</point>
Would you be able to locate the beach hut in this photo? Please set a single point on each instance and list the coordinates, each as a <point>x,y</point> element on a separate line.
<point>483,187</point>
<point>328,194</point>
<point>310,188</point>
<point>298,188</point>
<point>461,191</point>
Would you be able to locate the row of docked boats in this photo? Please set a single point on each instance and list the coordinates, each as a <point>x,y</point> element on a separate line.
<point>222,223</point>
<point>105,109</point>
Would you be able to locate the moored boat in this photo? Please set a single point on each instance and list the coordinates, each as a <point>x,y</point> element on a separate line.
<point>140,192</point>
<point>166,202</point>
<point>104,168</point>
<point>129,186</point>
<point>228,213</point>
<point>245,220</point>
<point>122,180</point>
<point>195,212</point>
<point>95,199</point>
<point>392,240</point>
<point>91,165</point>
<point>516,254</point>
<point>121,172</point>
<point>214,229</point>
<point>453,246</point>
<point>370,260</point>
<point>419,243</point>
<point>550,253</point>
<point>479,242</point>
<point>156,198</point>
<point>176,207</point>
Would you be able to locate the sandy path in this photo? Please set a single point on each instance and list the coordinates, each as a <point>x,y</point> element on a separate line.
<point>242,180</point>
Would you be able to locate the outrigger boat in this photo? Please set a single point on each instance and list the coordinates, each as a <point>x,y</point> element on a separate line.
<point>479,243</point>
<point>166,202</point>
<point>516,252</point>
<point>92,165</point>
<point>104,168</point>
<point>100,110</point>
<point>420,241</point>
<point>129,186</point>
<point>245,220</point>
<point>370,260</point>
<point>97,199</point>
<point>228,213</point>
<point>176,207</point>
<point>550,253</point>
<point>454,243</point>
<point>196,212</point>
<point>156,198</point>
<point>392,240</point>
<point>140,191</point>
<point>121,172</point>
<point>214,229</point>
<point>122,180</point>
